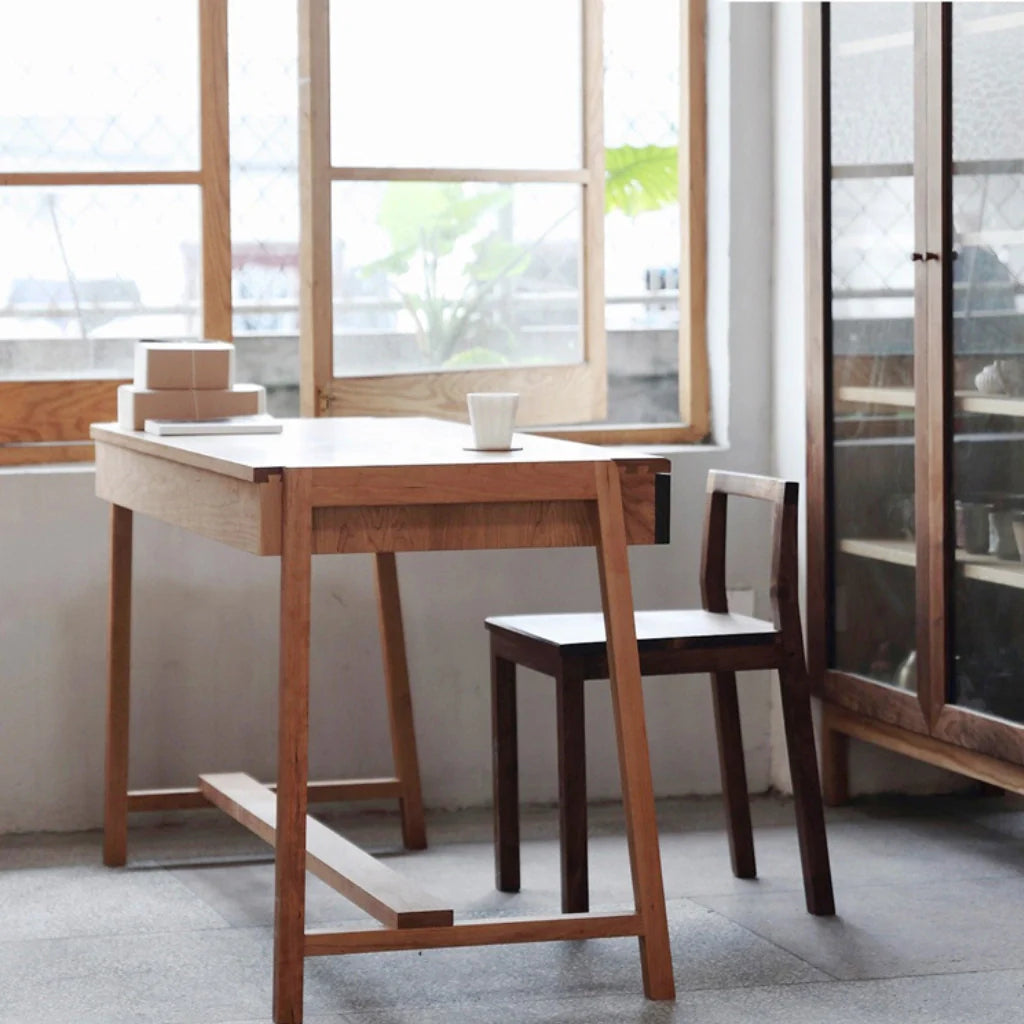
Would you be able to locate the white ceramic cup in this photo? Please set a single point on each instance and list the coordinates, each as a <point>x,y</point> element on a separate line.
<point>492,415</point>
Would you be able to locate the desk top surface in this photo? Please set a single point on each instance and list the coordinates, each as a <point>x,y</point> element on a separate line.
<point>339,442</point>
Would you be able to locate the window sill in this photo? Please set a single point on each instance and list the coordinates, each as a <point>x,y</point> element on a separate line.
<point>668,449</point>
<point>47,468</point>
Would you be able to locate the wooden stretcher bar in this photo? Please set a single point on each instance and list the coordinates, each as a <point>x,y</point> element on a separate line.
<point>370,885</point>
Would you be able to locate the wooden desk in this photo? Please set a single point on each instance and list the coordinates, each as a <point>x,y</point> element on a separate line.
<point>338,486</point>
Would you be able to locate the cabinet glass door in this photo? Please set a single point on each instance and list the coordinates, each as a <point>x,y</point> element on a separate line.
<point>871,141</point>
<point>988,358</point>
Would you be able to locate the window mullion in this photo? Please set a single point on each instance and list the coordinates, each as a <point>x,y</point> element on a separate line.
<point>215,168</point>
<point>592,255</point>
<point>316,299</point>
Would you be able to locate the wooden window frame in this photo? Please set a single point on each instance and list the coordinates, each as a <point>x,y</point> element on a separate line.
<point>45,421</point>
<point>443,393</point>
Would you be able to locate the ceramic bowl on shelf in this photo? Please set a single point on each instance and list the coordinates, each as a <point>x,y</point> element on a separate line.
<point>1001,377</point>
<point>1012,373</point>
<point>989,381</point>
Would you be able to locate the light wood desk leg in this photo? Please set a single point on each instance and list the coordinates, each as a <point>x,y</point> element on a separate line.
<point>631,736</point>
<point>119,644</point>
<point>396,680</point>
<point>293,749</point>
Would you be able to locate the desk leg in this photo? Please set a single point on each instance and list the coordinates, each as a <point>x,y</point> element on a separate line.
<point>396,680</point>
<point>119,644</point>
<point>293,749</point>
<point>631,736</point>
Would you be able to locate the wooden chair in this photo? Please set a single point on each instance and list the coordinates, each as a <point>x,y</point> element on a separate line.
<point>571,648</point>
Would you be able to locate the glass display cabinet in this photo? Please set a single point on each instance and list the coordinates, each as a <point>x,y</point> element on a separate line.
<point>915,220</point>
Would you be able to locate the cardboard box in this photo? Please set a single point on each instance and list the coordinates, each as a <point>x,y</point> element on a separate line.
<point>184,365</point>
<point>136,405</point>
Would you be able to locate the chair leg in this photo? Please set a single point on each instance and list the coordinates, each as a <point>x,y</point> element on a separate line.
<point>505,759</point>
<point>572,791</point>
<point>803,767</point>
<point>734,774</point>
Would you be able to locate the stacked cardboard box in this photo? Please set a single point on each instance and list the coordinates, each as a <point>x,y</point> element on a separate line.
<point>185,380</point>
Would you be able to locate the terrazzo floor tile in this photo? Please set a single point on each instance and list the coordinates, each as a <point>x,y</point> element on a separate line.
<point>199,976</point>
<point>992,997</point>
<point>928,892</point>
<point>243,895</point>
<point>987,997</point>
<point>68,901</point>
<point>924,927</point>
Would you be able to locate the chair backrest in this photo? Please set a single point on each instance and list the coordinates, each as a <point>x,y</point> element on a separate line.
<point>783,495</point>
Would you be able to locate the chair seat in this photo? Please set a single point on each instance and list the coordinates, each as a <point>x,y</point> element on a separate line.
<point>681,628</point>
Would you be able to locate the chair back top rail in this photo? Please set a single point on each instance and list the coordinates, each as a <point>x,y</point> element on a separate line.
<point>783,495</point>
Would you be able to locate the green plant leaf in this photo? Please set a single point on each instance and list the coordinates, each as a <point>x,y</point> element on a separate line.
<point>396,263</point>
<point>440,233</point>
<point>411,209</point>
<point>640,178</point>
<point>476,356</point>
<point>497,258</point>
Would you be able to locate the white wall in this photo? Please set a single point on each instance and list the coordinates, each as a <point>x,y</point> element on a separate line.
<point>205,659</point>
<point>205,648</point>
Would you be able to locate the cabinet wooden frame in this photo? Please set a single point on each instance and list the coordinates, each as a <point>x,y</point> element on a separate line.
<point>549,394</point>
<point>48,420</point>
<point>921,725</point>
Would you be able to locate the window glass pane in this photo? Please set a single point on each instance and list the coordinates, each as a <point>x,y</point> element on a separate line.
<point>83,267</point>
<point>874,599</point>
<point>456,83</point>
<point>104,85</point>
<point>873,70</point>
<point>987,601</point>
<point>641,102</point>
<point>443,275</point>
<point>265,196</point>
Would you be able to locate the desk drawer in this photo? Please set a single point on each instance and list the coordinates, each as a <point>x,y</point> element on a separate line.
<point>238,513</point>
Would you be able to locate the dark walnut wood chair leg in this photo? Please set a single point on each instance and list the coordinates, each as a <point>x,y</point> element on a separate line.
<point>505,752</point>
<point>572,790</point>
<point>734,774</point>
<point>803,768</point>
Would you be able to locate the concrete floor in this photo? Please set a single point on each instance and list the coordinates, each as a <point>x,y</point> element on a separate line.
<point>929,927</point>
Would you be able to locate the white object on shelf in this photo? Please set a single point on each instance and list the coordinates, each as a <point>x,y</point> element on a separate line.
<point>262,424</point>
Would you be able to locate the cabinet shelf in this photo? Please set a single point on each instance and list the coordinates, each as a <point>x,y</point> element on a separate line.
<point>899,552</point>
<point>986,568</point>
<point>963,401</point>
<point>901,398</point>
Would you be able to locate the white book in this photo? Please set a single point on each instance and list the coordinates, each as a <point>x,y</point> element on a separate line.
<point>260,424</point>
